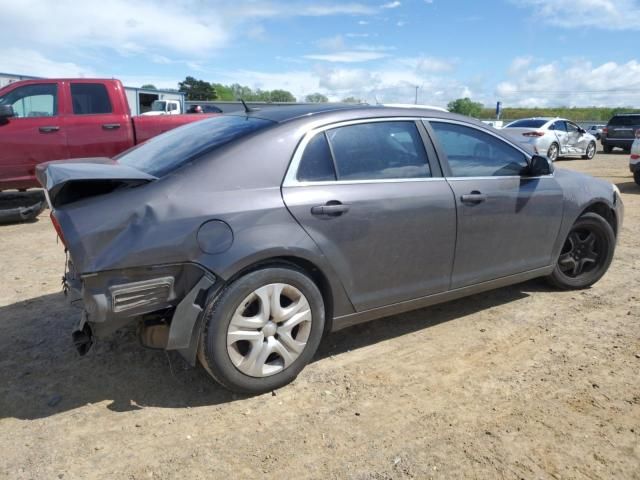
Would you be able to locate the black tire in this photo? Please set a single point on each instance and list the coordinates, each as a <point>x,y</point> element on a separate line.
<point>213,353</point>
<point>590,152</point>
<point>636,176</point>
<point>607,148</point>
<point>573,252</point>
<point>554,152</point>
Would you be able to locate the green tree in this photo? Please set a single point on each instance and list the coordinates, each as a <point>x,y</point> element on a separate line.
<point>197,89</point>
<point>351,100</point>
<point>224,92</point>
<point>316,98</point>
<point>149,86</point>
<point>282,96</point>
<point>465,106</point>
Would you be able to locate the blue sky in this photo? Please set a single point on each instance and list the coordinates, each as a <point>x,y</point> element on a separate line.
<point>522,52</point>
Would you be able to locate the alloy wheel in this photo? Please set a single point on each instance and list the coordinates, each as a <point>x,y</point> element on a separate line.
<point>553,152</point>
<point>269,330</point>
<point>591,151</point>
<point>581,253</point>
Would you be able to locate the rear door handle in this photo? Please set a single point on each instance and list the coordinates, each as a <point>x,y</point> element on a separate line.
<point>111,126</point>
<point>474,197</point>
<point>50,129</point>
<point>330,209</point>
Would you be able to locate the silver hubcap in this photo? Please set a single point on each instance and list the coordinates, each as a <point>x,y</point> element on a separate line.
<point>591,150</point>
<point>553,153</point>
<point>269,330</point>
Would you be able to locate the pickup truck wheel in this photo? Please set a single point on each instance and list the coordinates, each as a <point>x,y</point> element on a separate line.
<point>636,176</point>
<point>586,254</point>
<point>607,148</point>
<point>262,330</point>
<point>590,151</point>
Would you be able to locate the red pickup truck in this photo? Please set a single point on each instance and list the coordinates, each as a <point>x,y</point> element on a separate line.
<point>52,119</point>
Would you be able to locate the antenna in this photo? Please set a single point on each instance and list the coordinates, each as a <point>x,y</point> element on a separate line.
<point>247,108</point>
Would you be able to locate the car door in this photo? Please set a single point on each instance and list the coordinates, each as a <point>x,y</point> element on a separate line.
<point>34,135</point>
<point>559,129</point>
<point>576,140</point>
<point>373,199</point>
<point>507,221</point>
<point>94,127</point>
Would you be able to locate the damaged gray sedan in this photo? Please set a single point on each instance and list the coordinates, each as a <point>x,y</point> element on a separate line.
<point>240,240</point>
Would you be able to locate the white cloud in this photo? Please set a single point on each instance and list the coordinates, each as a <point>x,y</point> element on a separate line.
<point>573,83</point>
<point>601,14</point>
<point>347,56</point>
<point>391,5</point>
<point>357,35</point>
<point>363,22</point>
<point>33,63</point>
<point>520,63</point>
<point>401,23</point>
<point>427,64</point>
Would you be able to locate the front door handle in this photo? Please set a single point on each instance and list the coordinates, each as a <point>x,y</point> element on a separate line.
<point>111,126</point>
<point>474,197</point>
<point>332,208</point>
<point>50,129</point>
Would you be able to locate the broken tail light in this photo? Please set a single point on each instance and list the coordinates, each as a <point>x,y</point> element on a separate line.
<point>56,226</point>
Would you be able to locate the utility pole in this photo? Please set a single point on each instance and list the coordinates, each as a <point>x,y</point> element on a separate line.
<point>416,100</point>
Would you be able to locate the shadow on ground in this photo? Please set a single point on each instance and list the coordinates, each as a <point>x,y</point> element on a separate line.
<point>41,374</point>
<point>629,188</point>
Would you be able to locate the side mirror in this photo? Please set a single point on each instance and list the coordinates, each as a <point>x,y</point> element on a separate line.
<point>540,166</point>
<point>6,111</point>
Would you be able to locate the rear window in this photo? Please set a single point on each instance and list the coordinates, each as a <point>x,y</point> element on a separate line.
<point>527,123</point>
<point>169,151</point>
<point>625,120</point>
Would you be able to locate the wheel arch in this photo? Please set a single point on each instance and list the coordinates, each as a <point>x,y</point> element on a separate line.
<point>603,209</point>
<point>310,268</point>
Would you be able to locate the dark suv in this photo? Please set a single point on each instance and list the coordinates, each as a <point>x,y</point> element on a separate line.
<point>620,132</point>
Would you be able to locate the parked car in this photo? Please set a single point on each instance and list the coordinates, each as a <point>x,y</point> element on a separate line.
<point>242,239</point>
<point>50,119</point>
<point>553,137</point>
<point>634,159</point>
<point>165,107</point>
<point>596,130</point>
<point>620,132</point>
<point>203,108</point>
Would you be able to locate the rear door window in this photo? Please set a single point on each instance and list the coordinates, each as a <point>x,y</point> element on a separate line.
<point>378,150</point>
<point>559,126</point>
<point>316,164</point>
<point>90,99</point>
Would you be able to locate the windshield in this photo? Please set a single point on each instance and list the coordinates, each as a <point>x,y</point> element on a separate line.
<point>158,106</point>
<point>527,123</point>
<point>169,151</point>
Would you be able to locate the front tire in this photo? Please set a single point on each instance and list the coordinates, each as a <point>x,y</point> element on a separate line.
<point>636,176</point>
<point>262,330</point>
<point>586,253</point>
<point>590,151</point>
<point>553,152</point>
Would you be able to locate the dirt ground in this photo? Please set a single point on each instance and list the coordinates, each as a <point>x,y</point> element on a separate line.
<point>522,382</point>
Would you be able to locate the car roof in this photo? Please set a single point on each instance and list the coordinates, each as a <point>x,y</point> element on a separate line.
<point>281,114</point>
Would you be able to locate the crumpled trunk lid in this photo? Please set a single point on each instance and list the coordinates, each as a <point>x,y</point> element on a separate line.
<point>71,180</point>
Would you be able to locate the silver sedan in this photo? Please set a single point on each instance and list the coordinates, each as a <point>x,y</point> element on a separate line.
<point>553,137</point>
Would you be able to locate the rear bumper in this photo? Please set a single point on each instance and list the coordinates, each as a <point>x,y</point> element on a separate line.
<point>618,142</point>
<point>171,295</point>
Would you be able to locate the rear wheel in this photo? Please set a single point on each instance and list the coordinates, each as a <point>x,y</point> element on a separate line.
<point>553,152</point>
<point>607,148</point>
<point>262,330</point>
<point>636,176</point>
<point>590,151</point>
<point>586,254</point>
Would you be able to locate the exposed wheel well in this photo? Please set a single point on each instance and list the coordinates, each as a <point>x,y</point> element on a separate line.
<point>605,212</point>
<point>308,268</point>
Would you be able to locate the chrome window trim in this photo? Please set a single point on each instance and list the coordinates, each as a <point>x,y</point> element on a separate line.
<point>290,179</point>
